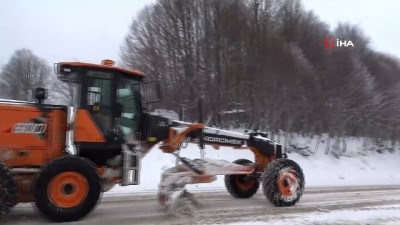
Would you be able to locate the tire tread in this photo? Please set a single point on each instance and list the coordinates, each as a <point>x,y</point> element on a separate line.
<point>7,202</point>
<point>270,178</point>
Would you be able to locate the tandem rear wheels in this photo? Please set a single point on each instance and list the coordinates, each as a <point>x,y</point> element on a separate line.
<point>8,190</point>
<point>282,182</point>
<point>67,189</point>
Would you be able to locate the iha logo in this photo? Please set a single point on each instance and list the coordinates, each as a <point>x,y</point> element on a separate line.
<point>331,42</point>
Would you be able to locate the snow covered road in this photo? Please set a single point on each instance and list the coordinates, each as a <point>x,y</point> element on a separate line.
<point>335,205</point>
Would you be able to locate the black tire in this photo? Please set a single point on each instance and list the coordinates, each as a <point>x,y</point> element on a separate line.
<point>8,190</point>
<point>283,182</point>
<point>237,186</point>
<point>61,180</point>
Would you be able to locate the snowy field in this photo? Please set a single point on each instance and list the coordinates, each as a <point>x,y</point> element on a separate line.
<point>356,167</point>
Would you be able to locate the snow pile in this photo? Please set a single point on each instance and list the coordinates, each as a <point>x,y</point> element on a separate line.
<point>166,113</point>
<point>382,215</point>
<point>320,170</point>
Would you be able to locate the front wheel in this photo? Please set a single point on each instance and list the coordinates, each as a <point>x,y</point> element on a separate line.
<point>67,189</point>
<point>283,182</point>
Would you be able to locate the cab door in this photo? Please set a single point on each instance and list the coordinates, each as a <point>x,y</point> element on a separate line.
<point>95,132</point>
<point>129,98</point>
<point>95,117</point>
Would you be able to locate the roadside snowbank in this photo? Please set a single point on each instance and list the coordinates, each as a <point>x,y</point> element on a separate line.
<point>387,215</point>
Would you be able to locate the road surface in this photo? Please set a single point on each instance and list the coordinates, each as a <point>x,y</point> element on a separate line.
<point>220,208</point>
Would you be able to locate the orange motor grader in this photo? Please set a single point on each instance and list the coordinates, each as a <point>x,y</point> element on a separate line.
<point>62,158</point>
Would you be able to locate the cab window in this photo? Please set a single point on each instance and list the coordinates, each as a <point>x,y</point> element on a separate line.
<point>128,95</point>
<point>100,99</point>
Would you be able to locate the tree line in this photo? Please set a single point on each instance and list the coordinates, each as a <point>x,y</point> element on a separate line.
<point>260,62</point>
<point>265,58</point>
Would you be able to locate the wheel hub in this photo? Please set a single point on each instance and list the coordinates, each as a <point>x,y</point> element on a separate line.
<point>288,183</point>
<point>68,189</point>
<point>244,183</point>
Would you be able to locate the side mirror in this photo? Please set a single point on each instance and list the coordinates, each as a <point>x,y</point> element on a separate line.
<point>152,92</point>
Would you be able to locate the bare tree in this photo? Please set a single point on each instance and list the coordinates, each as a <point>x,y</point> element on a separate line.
<point>24,72</point>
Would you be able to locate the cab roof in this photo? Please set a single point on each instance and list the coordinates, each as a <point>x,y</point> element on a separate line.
<point>107,67</point>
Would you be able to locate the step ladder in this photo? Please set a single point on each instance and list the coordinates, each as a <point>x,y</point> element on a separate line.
<point>131,166</point>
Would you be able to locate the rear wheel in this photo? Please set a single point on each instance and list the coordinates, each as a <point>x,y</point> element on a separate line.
<point>241,186</point>
<point>283,182</point>
<point>67,189</point>
<point>8,190</point>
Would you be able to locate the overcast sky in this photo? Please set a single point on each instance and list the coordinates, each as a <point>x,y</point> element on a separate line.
<point>91,30</point>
